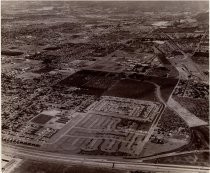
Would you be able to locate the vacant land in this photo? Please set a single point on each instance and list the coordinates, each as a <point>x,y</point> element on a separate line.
<point>166,86</point>
<point>133,89</point>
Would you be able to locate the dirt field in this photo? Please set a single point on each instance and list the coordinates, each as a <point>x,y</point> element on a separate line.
<point>133,89</point>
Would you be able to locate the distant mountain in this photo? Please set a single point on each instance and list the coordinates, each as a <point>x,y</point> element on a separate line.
<point>114,6</point>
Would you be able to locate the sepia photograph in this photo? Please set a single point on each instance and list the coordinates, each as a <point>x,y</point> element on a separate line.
<point>105,86</point>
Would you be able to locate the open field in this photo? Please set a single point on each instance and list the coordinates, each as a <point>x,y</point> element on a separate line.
<point>134,85</point>
<point>133,89</point>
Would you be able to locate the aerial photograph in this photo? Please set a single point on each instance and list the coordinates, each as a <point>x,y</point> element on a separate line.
<point>105,87</point>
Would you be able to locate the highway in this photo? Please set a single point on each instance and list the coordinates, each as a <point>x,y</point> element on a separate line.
<point>124,164</point>
<point>187,61</point>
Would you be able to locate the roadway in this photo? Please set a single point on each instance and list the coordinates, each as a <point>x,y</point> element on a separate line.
<point>124,164</point>
<point>187,61</point>
<point>141,145</point>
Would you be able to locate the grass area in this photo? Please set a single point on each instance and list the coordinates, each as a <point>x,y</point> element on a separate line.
<point>166,84</point>
<point>133,89</point>
<point>78,79</point>
<point>47,167</point>
<point>42,119</point>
